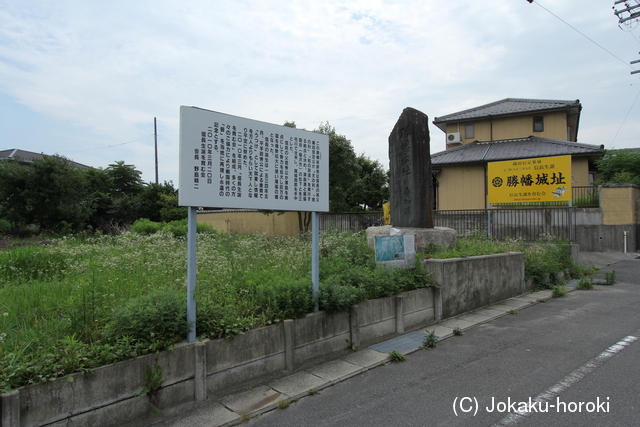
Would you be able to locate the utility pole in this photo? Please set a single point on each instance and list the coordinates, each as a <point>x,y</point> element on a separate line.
<point>637,61</point>
<point>627,7</point>
<point>155,137</point>
<point>630,21</point>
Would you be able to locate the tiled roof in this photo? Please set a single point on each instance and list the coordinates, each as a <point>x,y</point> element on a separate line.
<point>509,149</point>
<point>29,157</point>
<point>25,156</point>
<point>508,106</point>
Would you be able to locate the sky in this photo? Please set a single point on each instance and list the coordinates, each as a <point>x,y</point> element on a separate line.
<point>85,79</point>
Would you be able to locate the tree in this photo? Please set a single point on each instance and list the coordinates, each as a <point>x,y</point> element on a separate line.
<point>371,188</point>
<point>355,182</point>
<point>99,189</point>
<point>50,193</point>
<point>114,195</point>
<point>343,168</point>
<point>159,202</point>
<point>620,167</point>
<point>125,179</point>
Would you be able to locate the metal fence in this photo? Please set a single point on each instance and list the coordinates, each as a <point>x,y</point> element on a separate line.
<point>350,221</point>
<point>526,224</point>
<point>523,221</point>
<point>586,197</point>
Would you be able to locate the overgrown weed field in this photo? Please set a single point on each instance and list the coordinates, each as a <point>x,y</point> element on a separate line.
<point>80,303</point>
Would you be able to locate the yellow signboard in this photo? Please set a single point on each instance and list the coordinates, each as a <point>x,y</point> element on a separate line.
<point>386,211</point>
<point>544,179</point>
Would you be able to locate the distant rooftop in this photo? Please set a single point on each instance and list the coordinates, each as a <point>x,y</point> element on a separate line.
<point>511,149</point>
<point>505,107</point>
<point>27,157</point>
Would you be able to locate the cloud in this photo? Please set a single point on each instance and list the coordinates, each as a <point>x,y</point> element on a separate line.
<point>102,71</point>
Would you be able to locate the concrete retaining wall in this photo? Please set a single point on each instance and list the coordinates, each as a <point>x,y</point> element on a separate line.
<point>110,395</point>
<point>470,283</point>
<point>607,238</point>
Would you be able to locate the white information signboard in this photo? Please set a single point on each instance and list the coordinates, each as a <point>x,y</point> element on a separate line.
<point>233,162</point>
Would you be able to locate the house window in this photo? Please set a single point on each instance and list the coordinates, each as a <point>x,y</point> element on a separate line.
<point>538,124</point>
<point>468,131</point>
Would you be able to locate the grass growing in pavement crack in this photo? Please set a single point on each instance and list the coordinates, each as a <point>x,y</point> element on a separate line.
<point>283,404</point>
<point>430,340</point>
<point>396,356</point>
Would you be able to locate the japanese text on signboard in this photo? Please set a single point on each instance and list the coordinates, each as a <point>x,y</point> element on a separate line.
<point>238,162</point>
<point>530,180</point>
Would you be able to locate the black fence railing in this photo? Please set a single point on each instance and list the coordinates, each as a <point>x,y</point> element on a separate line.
<point>527,221</point>
<point>586,197</point>
<point>350,221</point>
<point>525,224</point>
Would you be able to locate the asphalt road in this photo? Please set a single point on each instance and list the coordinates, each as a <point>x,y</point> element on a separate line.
<point>577,357</point>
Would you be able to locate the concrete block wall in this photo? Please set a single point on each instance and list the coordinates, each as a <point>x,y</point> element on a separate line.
<point>83,396</point>
<point>607,238</point>
<point>606,229</point>
<point>319,334</point>
<point>193,372</point>
<point>111,395</point>
<point>470,283</point>
<point>230,363</point>
<point>619,204</point>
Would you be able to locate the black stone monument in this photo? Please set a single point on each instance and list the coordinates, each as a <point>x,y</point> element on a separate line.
<point>410,171</point>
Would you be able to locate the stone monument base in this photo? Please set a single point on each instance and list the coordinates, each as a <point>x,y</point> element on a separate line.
<point>441,237</point>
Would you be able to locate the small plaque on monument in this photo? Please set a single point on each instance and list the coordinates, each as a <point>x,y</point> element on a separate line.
<point>395,248</point>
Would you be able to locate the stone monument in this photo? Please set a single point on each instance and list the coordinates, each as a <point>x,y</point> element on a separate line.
<point>411,185</point>
<point>410,171</point>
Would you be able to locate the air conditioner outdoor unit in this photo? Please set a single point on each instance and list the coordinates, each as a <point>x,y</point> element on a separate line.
<point>454,138</point>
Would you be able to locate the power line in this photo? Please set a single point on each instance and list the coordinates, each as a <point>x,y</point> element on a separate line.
<point>108,146</point>
<point>582,34</point>
<point>625,118</point>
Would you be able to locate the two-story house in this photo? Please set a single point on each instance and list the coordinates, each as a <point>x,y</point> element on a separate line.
<point>509,129</point>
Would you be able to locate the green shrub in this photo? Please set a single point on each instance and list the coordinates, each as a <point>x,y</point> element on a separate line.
<point>215,322</point>
<point>431,340</point>
<point>5,226</point>
<point>396,357</point>
<point>177,227</point>
<point>544,260</point>
<point>153,322</point>
<point>579,270</point>
<point>335,297</point>
<point>610,277</point>
<point>203,228</point>
<point>559,291</point>
<point>145,227</point>
<point>349,274</point>
<point>415,277</point>
<point>585,283</point>
<point>280,297</point>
